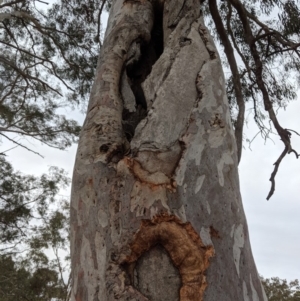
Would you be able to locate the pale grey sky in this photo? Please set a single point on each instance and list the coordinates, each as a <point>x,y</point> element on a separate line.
<point>274,225</point>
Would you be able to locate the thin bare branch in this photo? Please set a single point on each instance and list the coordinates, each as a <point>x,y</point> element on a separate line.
<point>273,174</point>
<point>293,131</point>
<point>19,144</point>
<point>99,22</point>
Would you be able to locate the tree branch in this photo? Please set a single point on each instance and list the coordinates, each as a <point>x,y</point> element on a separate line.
<point>235,75</point>
<point>99,21</point>
<point>19,144</point>
<point>284,134</point>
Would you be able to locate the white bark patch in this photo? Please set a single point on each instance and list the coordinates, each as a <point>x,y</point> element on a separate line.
<point>181,213</point>
<point>90,274</point>
<point>265,298</point>
<point>216,137</point>
<point>75,283</point>
<point>102,217</point>
<point>199,183</point>
<point>153,211</point>
<point>143,197</point>
<point>208,207</point>
<point>245,292</point>
<point>207,86</point>
<point>101,260</point>
<point>195,146</point>
<point>226,159</point>
<point>154,81</point>
<point>239,242</point>
<point>205,236</point>
<point>113,16</point>
<point>254,292</point>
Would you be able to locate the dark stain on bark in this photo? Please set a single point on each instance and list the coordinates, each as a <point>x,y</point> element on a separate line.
<point>213,232</point>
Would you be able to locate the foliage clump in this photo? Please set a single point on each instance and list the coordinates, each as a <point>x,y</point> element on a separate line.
<point>281,290</point>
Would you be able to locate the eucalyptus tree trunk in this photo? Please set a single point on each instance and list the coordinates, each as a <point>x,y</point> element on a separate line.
<point>156,211</point>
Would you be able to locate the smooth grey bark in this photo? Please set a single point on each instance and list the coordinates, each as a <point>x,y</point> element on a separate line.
<point>155,186</point>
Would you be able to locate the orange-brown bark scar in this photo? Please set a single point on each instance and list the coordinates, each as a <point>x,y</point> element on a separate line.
<point>153,180</point>
<point>184,246</point>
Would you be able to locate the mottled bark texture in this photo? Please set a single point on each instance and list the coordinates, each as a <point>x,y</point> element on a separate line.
<point>156,212</point>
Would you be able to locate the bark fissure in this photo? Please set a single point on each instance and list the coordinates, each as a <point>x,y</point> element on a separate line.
<point>141,57</point>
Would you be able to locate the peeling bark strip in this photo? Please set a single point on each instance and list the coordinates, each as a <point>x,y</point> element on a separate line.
<point>157,165</point>
<point>184,246</point>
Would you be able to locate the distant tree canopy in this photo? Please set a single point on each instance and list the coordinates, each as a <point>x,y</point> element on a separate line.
<point>24,198</point>
<point>18,283</point>
<point>280,290</point>
<point>34,235</point>
<point>47,63</point>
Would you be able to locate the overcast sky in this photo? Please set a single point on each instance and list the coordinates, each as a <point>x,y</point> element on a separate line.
<point>274,225</point>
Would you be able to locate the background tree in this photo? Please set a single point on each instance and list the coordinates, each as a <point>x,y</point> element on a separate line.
<point>47,62</point>
<point>280,290</point>
<point>34,222</point>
